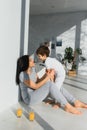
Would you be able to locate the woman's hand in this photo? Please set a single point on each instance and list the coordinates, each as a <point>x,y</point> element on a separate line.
<point>51,74</point>
<point>36,85</point>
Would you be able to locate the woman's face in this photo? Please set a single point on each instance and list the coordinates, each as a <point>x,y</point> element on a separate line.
<point>31,62</point>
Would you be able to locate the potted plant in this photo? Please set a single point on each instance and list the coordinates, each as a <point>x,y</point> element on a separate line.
<point>70,58</point>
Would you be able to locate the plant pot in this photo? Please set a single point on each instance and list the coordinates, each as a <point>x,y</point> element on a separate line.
<point>71,73</point>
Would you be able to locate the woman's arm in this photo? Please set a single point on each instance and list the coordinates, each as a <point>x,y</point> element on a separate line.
<point>48,71</point>
<point>40,79</point>
<point>34,85</point>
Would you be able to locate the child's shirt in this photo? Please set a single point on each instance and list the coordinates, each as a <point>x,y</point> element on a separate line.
<point>53,63</point>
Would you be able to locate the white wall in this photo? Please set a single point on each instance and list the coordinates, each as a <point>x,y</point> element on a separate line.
<point>10,14</point>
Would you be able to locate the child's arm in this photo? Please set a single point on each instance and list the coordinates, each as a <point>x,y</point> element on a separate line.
<point>53,76</point>
<point>40,79</point>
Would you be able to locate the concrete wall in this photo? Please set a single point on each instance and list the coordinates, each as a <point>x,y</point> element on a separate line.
<point>67,26</point>
<point>10,14</point>
<point>44,27</point>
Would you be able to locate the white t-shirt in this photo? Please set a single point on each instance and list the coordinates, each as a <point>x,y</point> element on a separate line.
<point>53,63</point>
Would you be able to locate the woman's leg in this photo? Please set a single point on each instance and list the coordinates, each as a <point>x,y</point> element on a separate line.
<point>71,99</point>
<point>57,95</point>
<point>67,95</point>
<point>39,95</point>
<point>79,104</point>
<point>59,82</point>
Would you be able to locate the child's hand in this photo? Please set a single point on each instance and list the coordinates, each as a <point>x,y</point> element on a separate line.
<point>51,73</point>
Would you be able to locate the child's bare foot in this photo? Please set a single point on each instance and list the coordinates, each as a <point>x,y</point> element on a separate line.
<point>71,109</point>
<point>79,104</point>
<point>56,105</point>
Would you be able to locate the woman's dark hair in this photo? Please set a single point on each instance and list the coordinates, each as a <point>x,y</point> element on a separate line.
<point>43,50</point>
<point>22,65</point>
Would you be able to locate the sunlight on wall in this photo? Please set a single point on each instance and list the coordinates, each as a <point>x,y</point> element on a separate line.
<point>83,40</point>
<point>83,45</point>
<point>68,39</point>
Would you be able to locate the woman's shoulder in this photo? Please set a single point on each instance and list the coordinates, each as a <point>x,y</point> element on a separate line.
<point>23,76</point>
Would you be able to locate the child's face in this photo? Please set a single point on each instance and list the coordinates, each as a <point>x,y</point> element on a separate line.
<point>42,58</point>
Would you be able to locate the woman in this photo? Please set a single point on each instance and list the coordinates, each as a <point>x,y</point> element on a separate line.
<point>33,92</point>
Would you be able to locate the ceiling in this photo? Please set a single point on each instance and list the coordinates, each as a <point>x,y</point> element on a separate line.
<point>38,7</point>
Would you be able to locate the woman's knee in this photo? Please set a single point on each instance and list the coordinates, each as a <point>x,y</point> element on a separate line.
<point>48,84</point>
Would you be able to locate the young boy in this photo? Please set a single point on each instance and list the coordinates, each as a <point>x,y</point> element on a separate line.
<point>52,63</point>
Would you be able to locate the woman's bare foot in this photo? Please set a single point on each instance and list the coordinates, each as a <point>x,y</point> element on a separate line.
<point>79,104</point>
<point>69,108</point>
<point>56,105</point>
